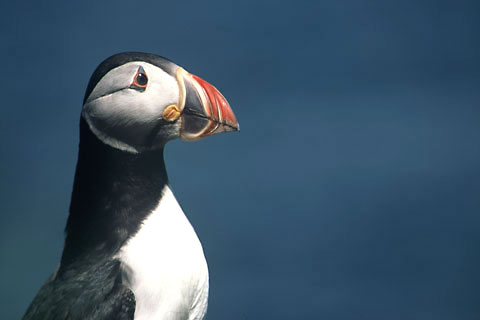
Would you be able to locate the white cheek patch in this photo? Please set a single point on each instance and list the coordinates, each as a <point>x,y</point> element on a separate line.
<point>116,112</point>
<point>126,106</point>
<point>116,79</point>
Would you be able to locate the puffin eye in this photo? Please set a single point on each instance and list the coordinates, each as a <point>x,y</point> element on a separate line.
<point>140,80</point>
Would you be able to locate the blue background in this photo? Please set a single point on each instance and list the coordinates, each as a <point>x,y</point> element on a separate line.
<point>353,189</point>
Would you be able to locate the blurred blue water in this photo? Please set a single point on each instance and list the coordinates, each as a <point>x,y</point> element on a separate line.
<point>352,191</point>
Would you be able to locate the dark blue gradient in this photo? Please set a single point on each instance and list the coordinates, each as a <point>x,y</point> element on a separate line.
<point>353,189</point>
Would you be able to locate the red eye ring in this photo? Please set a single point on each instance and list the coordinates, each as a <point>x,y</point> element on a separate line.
<point>140,80</point>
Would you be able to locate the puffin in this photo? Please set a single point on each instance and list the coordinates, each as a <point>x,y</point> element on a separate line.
<point>130,252</point>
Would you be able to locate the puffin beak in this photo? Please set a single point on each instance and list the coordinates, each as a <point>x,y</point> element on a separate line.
<point>205,110</point>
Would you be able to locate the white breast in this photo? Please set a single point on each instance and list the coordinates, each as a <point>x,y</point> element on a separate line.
<point>165,267</point>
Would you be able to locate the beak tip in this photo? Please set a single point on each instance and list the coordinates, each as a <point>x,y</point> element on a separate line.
<point>215,108</point>
<point>233,125</point>
<point>228,128</point>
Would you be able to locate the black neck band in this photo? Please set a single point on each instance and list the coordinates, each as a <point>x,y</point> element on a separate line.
<point>113,192</point>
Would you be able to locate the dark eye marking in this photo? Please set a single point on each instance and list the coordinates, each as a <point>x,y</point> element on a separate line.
<point>140,80</point>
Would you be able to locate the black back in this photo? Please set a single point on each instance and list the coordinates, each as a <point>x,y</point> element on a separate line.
<point>94,291</point>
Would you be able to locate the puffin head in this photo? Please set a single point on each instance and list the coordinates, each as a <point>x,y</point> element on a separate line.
<point>139,101</point>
